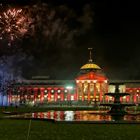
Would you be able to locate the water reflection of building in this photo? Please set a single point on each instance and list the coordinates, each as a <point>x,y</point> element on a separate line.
<point>71,116</point>
<point>89,87</point>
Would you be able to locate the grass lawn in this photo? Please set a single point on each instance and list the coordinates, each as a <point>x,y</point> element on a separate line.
<point>43,130</point>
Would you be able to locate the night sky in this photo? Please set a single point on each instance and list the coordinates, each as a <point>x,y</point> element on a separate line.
<point>111,28</point>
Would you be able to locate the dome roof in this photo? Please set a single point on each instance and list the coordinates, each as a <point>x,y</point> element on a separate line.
<point>90,66</point>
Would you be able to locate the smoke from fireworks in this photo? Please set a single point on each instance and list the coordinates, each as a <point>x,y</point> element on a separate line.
<point>13,24</point>
<point>50,27</point>
<point>58,26</point>
<point>51,22</point>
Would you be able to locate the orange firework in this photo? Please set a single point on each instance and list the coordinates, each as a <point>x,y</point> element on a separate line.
<point>13,24</point>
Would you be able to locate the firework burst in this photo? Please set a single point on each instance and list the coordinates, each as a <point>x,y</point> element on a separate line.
<point>14,24</point>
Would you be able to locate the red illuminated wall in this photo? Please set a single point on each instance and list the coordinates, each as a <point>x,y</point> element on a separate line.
<point>92,76</point>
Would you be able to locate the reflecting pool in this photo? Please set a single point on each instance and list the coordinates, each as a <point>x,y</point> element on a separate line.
<point>73,115</point>
<point>77,116</point>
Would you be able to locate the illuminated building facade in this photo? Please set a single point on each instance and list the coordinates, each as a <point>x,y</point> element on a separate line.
<point>91,83</point>
<point>89,87</point>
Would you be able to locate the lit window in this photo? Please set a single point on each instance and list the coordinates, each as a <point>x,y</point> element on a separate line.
<point>65,90</point>
<point>45,91</point>
<point>45,96</point>
<point>72,97</point>
<point>94,81</point>
<point>88,81</point>
<point>52,91</point>
<point>69,87</point>
<point>59,90</point>
<point>77,81</point>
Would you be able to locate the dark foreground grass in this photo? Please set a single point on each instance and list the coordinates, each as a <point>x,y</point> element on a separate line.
<point>43,130</point>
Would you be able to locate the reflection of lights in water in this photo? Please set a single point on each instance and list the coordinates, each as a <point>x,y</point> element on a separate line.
<point>51,115</point>
<point>33,115</point>
<point>92,116</point>
<point>80,116</point>
<point>132,117</point>
<point>69,115</point>
<point>58,115</point>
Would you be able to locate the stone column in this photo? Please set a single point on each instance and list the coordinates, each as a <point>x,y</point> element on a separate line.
<point>135,98</point>
<point>55,94</point>
<point>41,95</point>
<point>35,94</point>
<point>76,94</point>
<point>94,90</point>
<point>62,94</point>
<point>82,91</point>
<point>28,93</point>
<point>88,91</point>
<point>68,95</point>
<point>106,98</point>
<point>101,92</point>
<point>49,94</point>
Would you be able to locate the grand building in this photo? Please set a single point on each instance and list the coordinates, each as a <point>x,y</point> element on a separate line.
<point>88,87</point>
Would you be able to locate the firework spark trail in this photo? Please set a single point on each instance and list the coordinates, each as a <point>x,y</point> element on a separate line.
<point>14,24</point>
<point>52,23</point>
<point>42,25</point>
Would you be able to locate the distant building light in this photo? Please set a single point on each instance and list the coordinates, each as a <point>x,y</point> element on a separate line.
<point>94,81</point>
<point>52,91</point>
<point>77,81</point>
<point>65,90</point>
<point>88,81</point>
<point>45,96</point>
<point>59,91</point>
<point>45,91</point>
<point>72,97</point>
<point>69,87</point>
<point>85,96</point>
